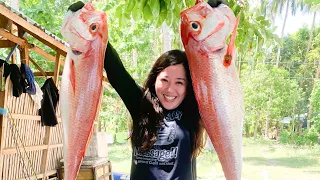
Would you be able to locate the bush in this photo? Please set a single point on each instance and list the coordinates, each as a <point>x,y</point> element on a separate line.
<point>285,137</point>
<point>309,137</point>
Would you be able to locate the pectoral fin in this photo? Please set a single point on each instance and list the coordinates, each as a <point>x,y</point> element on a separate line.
<point>231,46</point>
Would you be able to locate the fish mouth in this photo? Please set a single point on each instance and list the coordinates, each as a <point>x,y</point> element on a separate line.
<point>218,49</point>
<point>76,52</point>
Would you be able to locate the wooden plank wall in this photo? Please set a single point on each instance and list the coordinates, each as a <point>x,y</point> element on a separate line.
<point>27,160</point>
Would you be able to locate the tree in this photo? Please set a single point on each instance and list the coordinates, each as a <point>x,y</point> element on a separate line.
<point>277,5</point>
<point>269,95</point>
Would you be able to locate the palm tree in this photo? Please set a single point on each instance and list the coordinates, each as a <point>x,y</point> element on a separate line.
<point>310,4</point>
<point>278,5</point>
<point>316,6</point>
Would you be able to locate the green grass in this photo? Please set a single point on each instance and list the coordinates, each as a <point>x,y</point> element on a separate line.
<point>262,159</point>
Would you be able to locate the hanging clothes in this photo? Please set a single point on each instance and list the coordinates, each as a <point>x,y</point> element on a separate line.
<point>28,81</point>
<point>49,103</point>
<point>6,68</point>
<point>37,98</point>
<point>16,79</point>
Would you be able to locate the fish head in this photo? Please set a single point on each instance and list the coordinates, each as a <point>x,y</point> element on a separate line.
<point>83,27</point>
<point>206,28</point>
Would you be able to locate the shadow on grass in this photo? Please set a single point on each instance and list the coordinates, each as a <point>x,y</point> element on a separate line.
<point>312,172</point>
<point>119,152</point>
<point>295,162</point>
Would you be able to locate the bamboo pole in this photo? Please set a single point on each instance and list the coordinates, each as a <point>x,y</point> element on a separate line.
<point>3,123</point>
<point>47,139</point>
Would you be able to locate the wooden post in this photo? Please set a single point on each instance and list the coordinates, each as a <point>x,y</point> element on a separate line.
<point>57,69</point>
<point>24,51</point>
<point>47,139</point>
<point>3,123</point>
<point>24,54</point>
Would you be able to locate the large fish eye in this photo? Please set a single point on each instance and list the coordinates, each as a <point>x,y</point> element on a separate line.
<point>77,53</point>
<point>195,26</point>
<point>94,27</point>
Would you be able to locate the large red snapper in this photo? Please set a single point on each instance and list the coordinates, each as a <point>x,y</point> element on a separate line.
<point>204,31</point>
<point>86,32</point>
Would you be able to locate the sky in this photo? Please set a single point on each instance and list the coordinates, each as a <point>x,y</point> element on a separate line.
<point>295,22</point>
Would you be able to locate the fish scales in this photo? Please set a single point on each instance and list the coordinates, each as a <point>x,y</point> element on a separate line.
<point>217,87</point>
<point>86,32</point>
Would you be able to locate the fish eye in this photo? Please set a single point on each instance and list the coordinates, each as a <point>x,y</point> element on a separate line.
<point>195,26</point>
<point>93,27</point>
<point>77,53</point>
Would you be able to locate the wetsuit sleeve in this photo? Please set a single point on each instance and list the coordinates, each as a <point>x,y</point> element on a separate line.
<point>122,82</point>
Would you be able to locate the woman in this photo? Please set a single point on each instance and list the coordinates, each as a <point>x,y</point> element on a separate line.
<point>167,134</point>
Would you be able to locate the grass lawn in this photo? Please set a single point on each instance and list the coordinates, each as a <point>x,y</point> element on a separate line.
<point>261,160</point>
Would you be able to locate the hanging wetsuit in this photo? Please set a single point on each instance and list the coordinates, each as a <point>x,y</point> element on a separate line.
<point>16,79</point>
<point>6,68</point>
<point>49,103</point>
<point>28,79</point>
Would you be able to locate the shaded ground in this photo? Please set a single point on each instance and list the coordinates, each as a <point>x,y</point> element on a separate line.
<point>261,160</point>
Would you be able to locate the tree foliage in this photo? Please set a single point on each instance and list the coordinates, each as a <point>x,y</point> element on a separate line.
<point>271,93</point>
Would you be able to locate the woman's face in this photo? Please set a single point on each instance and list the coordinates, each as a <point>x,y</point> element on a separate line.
<point>171,86</point>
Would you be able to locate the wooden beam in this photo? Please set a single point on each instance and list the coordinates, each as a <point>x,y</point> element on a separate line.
<point>29,148</point>
<point>21,42</point>
<point>106,86</point>
<point>30,117</point>
<point>49,74</point>
<point>57,69</point>
<point>45,154</point>
<point>47,138</point>
<point>24,51</point>
<point>12,37</point>
<point>24,54</point>
<point>34,31</point>
<point>38,67</point>
<point>42,53</point>
<point>39,176</point>
<point>6,44</point>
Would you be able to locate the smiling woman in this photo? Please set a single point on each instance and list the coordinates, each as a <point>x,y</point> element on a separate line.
<point>166,135</point>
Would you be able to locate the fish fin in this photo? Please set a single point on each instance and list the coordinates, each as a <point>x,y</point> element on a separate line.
<point>73,77</point>
<point>89,6</point>
<point>231,46</point>
<point>199,1</point>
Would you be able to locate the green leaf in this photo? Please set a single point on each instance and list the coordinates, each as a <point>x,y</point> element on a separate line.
<point>257,33</point>
<point>190,2</point>
<point>172,4</point>
<point>147,13</point>
<point>143,3</point>
<point>131,5</point>
<point>119,11</point>
<point>136,13</point>
<point>155,7</point>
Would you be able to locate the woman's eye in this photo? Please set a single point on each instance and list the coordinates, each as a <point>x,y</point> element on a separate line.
<point>180,83</point>
<point>164,80</point>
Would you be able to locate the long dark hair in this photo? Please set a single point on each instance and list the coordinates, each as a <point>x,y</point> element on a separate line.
<point>144,131</point>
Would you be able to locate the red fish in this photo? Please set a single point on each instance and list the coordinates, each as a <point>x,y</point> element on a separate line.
<point>86,32</point>
<point>217,87</point>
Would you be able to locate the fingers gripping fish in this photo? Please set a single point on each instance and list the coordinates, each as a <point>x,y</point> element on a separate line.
<point>86,31</point>
<point>204,31</point>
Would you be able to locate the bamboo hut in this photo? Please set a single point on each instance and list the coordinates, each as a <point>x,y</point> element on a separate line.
<point>28,149</point>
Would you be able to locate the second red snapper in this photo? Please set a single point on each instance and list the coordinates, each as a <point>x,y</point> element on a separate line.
<point>204,31</point>
<point>86,32</point>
